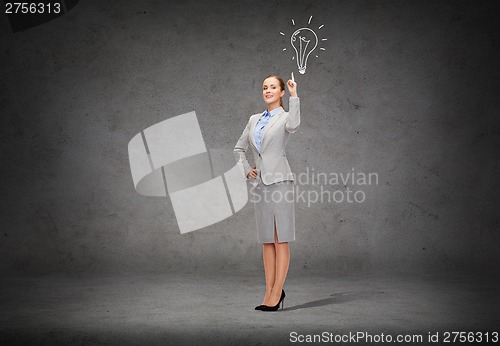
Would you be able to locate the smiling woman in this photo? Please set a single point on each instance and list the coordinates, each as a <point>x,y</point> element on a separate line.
<point>273,88</point>
<point>275,217</point>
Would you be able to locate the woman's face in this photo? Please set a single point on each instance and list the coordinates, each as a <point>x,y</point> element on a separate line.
<point>271,90</point>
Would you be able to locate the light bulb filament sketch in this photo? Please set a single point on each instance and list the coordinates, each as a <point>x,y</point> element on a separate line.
<point>302,46</point>
<point>304,41</point>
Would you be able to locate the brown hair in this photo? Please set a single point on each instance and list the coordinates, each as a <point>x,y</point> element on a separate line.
<point>282,85</point>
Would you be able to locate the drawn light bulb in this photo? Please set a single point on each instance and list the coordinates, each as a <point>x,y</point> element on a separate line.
<point>304,41</point>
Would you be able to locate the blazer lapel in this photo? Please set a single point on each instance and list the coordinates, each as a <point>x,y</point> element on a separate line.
<point>271,122</point>
<point>252,131</point>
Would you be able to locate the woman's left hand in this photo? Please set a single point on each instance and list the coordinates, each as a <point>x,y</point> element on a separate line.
<point>292,87</point>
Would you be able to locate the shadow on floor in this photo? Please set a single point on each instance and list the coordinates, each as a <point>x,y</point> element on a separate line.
<point>336,298</point>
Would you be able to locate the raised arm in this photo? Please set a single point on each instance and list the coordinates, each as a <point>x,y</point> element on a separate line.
<point>293,121</point>
<point>240,152</point>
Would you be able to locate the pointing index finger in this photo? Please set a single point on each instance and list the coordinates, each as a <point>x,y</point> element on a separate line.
<point>293,79</point>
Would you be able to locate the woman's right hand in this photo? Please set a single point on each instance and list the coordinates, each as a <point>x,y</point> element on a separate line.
<point>253,173</point>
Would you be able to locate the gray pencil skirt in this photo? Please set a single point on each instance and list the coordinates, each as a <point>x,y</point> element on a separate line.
<point>275,202</point>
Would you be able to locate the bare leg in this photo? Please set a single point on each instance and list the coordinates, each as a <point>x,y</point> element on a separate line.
<point>282,263</point>
<point>269,254</point>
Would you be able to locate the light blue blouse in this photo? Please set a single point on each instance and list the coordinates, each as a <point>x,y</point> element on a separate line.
<point>259,128</point>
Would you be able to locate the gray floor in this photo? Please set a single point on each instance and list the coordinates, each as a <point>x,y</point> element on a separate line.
<point>201,308</point>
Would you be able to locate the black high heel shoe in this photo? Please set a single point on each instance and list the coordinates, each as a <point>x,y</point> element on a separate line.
<point>281,298</point>
<point>275,308</point>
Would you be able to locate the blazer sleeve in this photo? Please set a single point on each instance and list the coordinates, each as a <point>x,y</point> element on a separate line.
<point>293,122</point>
<point>240,152</point>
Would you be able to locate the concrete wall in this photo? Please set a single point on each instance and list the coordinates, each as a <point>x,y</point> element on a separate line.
<point>407,90</point>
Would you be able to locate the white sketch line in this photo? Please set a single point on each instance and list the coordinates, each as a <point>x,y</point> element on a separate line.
<point>304,41</point>
<point>300,42</point>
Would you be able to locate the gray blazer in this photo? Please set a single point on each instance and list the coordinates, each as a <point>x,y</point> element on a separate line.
<point>271,162</point>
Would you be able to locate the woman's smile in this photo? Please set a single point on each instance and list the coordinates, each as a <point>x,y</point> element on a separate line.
<point>272,93</point>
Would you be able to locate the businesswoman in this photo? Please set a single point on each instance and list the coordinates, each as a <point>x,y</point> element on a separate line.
<point>273,192</point>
